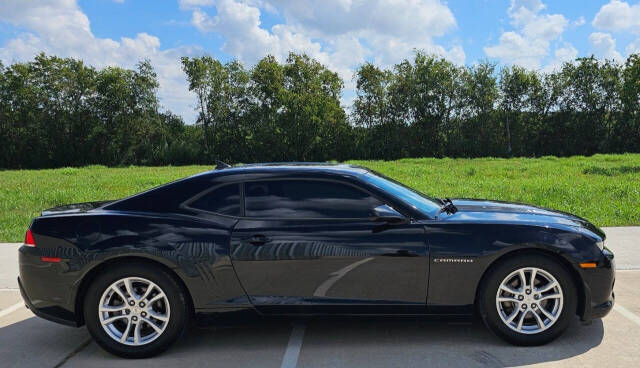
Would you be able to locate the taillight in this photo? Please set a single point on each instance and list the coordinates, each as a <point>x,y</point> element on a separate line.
<point>28,239</point>
<point>30,242</point>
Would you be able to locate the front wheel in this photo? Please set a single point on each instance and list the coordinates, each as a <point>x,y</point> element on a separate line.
<point>528,300</point>
<point>135,310</point>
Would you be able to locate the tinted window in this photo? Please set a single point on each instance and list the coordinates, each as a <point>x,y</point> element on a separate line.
<point>306,199</point>
<point>224,200</point>
<point>410,196</point>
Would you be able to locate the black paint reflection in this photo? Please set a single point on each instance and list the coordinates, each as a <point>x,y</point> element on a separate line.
<point>331,261</point>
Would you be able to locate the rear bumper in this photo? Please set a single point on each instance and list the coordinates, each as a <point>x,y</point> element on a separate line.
<point>599,297</point>
<point>54,314</point>
<point>47,290</point>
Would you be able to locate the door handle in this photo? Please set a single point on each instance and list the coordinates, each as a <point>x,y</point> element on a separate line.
<point>258,240</point>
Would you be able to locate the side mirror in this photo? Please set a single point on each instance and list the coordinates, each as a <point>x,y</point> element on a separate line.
<point>387,214</point>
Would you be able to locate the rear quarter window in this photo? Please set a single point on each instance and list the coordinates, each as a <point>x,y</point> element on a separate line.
<point>224,200</point>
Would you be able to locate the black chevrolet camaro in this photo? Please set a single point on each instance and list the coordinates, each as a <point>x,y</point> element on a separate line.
<point>308,240</point>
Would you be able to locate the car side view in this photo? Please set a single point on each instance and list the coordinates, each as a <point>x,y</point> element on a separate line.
<point>302,239</point>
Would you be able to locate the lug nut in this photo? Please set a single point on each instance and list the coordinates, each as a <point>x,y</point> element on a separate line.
<point>534,306</point>
<point>143,314</point>
<point>134,318</point>
<point>142,304</point>
<point>528,291</point>
<point>520,297</point>
<point>131,302</point>
<point>524,306</point>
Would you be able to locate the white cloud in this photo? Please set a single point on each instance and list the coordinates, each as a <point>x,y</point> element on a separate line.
<point>60,27</point>
<point>404,19</point>
<point>633,47</point>
<point>564,54</point>
<point>618,16</point>
<point>530,42</point>
<point>516,49</point>
<point>341,34</point>
<point>579,22</point>
<point>615,16</point>
<point>604,46</point>
<point>239,24</point>
<point>391,29</point>
<point>187,4</point>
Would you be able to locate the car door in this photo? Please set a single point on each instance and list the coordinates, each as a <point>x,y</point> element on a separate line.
<point>308,246</point>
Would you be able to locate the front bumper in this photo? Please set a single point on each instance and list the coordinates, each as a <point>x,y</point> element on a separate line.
<point>599,297</point>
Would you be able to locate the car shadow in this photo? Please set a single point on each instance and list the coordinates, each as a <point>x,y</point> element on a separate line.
<point>35,342</point>
<point>435,343</point>
<point>330,342</point>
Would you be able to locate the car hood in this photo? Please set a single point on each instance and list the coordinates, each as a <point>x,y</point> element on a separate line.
<point>508,212</point>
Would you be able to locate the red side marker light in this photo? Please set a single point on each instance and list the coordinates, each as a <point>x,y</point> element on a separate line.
<point>28,239</point>
<point>50,259</point>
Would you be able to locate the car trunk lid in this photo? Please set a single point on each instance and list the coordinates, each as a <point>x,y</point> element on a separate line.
<point>74,208</point>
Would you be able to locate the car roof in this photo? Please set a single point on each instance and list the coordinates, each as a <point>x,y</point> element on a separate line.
<point>171,195</point>
<point>292,167</point>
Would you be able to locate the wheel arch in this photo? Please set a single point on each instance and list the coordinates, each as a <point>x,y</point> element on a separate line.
<point>558,257</point>
<point>96,270</point>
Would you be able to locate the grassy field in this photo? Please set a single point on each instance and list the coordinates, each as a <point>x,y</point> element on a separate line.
<point>603,188</point>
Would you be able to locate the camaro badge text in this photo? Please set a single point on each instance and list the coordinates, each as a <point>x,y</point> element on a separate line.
<point>453,260</point>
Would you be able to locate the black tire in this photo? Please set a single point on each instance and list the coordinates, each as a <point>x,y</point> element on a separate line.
<point>487,299</point>
<point>178,318</point>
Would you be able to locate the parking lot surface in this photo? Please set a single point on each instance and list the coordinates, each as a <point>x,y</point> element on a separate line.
<point>26,340</point>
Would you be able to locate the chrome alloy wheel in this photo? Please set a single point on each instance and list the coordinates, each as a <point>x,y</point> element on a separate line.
<point>529,300</point>
<point>134,311</point>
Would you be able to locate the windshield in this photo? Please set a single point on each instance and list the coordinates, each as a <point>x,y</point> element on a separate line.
<point>412,197</point>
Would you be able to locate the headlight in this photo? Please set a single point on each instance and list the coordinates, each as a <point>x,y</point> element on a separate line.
<point>600,245</point>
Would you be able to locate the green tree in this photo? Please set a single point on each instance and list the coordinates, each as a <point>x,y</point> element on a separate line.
<point>627,132</point>
<point>58,112</point>
<point>517,89</point>
<point>479,97</point>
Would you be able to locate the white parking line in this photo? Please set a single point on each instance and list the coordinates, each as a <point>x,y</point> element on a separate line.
<point>11,309</point>
<point>627,313</point>
<point>290,359</point>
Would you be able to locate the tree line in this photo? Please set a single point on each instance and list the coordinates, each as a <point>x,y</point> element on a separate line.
<point>61,112</point>
<point>430,107</point>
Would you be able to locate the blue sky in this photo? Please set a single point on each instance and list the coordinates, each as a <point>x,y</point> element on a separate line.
<point>342,34</point>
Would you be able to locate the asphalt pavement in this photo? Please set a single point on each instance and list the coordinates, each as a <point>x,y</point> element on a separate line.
<point>26,340</point>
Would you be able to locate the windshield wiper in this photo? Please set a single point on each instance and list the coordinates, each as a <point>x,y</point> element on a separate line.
<point>447,206</point>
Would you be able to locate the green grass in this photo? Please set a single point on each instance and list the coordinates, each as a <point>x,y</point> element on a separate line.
<point>603,188</point>
<point>25,193</point>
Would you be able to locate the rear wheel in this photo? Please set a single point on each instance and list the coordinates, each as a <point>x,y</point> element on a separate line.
<point>528,300</point>
<point>135,310</point>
